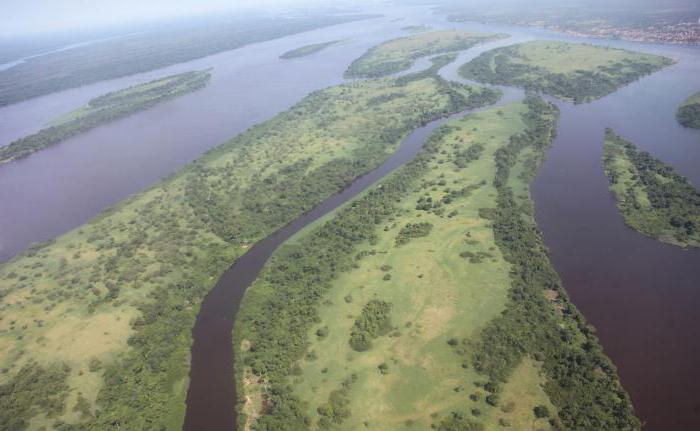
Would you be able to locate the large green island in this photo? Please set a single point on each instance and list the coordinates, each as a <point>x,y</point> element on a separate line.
<point>652,197</point>
<point>576,72</point>
<point>688,114</point>
<point>104,109</point>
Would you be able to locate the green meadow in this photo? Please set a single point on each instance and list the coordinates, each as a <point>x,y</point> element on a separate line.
<point>436,295</point>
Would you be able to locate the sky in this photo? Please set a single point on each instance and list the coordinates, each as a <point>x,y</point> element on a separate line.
<point>19,17</point>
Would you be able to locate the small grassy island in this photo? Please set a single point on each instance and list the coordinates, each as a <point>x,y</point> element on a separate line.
<point>399,54</point>
<point>577,72</point>
<point>688,114</point>
<point>652,197</point>
<point>95,326</point>
<point>308,49</point>
<point>106,108</point>
<point>416,28</point>
<point>428,302</point>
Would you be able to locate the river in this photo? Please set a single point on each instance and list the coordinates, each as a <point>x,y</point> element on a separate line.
<point>641,295</point>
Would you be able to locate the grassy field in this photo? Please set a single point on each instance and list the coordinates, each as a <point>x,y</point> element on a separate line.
<point>426,303</point>
<point>106,108</point>
<point>399,54</point>
<point>576,72</point>
<point>308,49</point>
<point>104,312</point>
<point>688,114</point>
<point>436,295</point>
<point>652,197</point>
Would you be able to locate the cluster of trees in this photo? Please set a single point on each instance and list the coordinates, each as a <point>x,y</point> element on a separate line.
<point>688,114</point>
<point>470,154</point>
<point>337,408</point>
<point>374,322</point>
<point>581,380</point>
<point>106,108</point>
<point>674,201</point>
<point>33,389</point>
<point>497,67</point>
<point>413,230</point>
<point>148,51</point>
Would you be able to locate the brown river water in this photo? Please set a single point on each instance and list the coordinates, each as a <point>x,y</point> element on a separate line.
<point>641,295</point>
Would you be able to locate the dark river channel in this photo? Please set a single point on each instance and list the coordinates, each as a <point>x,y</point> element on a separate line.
<point>642,296</point>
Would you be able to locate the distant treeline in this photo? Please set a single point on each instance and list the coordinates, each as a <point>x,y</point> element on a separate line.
<point>149,50</point>
<point>106,108</point>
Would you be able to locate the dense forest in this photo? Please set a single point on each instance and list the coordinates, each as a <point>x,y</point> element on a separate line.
<point>652,197</point>
<point>149,50</point>
<point>106,108</point>
<point>688,114</point>
<point>569,71</point>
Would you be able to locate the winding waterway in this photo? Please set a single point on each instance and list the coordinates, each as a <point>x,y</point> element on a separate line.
<point>641,295</point>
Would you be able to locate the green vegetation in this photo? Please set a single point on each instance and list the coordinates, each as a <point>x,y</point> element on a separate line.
<point>308,49</point>
<point>375,321</point>
<point>114,301</point>
<point>413,230</point>
<point>469,346</point>
<point>106,108</point>
<point>416,28</point>
<point>688,114</point>
<point>149,50</point>
<point>399,54</point>
<point>652,197</point>
<point>576,72</point>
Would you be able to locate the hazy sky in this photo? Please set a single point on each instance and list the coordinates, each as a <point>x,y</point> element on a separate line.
<point>32,16</point>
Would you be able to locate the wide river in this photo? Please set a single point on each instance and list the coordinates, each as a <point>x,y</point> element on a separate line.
<point>641,295</point>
